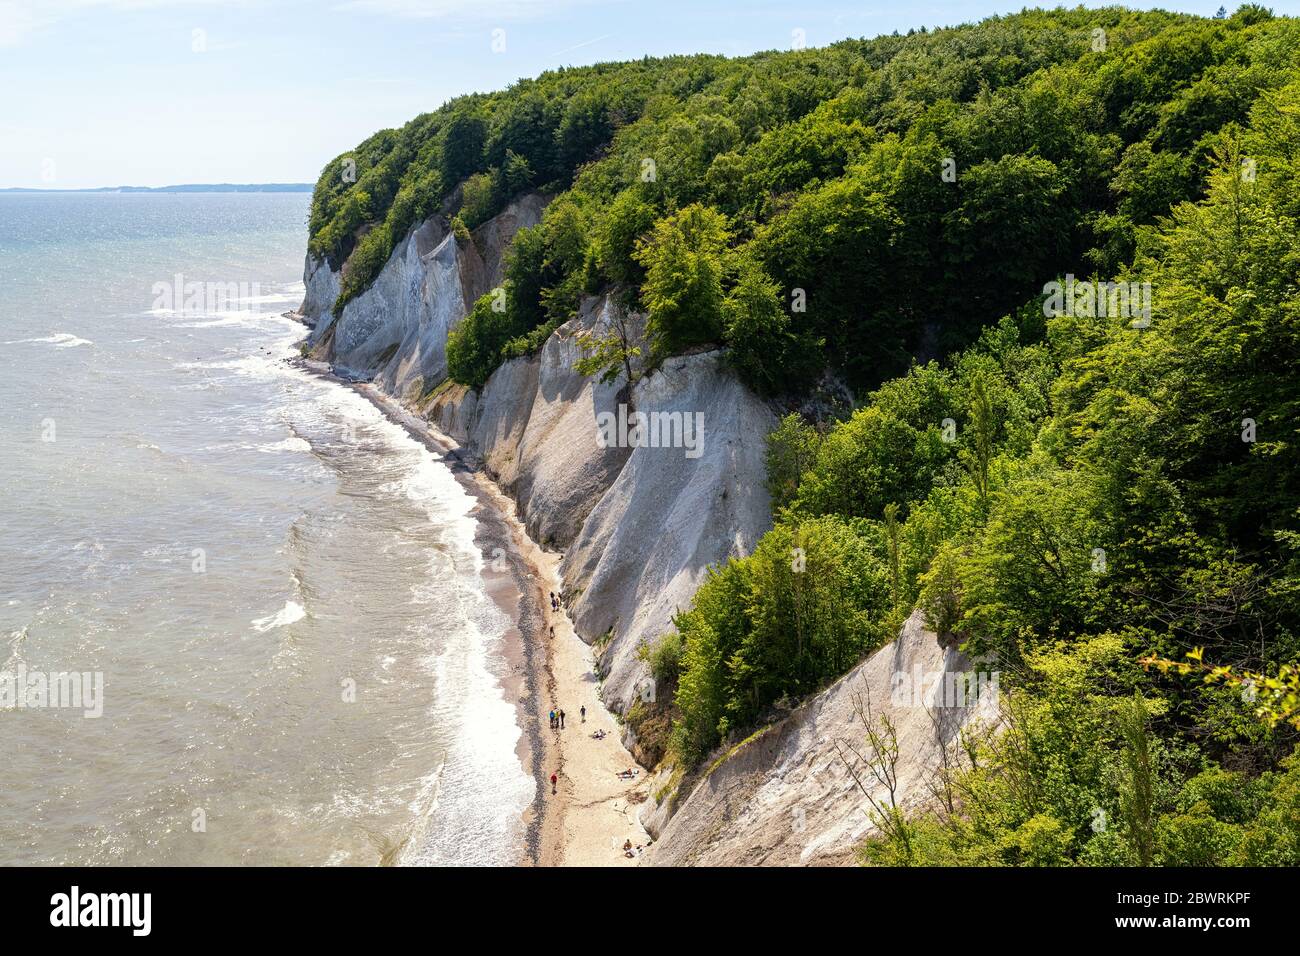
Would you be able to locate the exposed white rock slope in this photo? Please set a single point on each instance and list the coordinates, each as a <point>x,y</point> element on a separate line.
<point>322,285</point>
<point>648,543</point>
<point>787,796</point>
<point>396,331</point>
<point>639,526</point>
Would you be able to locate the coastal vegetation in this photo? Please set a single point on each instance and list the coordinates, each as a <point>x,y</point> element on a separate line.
<point>1111,516</point>
<point>891,195</point>
<point>1055,256</point>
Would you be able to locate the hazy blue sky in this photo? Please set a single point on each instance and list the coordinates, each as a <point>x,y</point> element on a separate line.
<point>154,92</point>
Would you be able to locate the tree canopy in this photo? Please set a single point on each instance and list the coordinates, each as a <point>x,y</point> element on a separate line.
<point>899,193</point>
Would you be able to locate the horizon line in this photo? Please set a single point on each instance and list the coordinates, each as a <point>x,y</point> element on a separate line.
<point>191,187</point>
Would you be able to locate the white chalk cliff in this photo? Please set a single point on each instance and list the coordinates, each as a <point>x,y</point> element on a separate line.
<point>395,332</point>
<point>639,527</point>
<point>791,794</point>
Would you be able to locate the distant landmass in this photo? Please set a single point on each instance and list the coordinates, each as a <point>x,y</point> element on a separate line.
<point>187,188</point>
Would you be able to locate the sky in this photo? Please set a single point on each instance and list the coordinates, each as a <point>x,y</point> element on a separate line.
<point>162,92</point>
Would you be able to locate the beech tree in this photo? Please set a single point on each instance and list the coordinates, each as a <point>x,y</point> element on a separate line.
<point>683,286</point>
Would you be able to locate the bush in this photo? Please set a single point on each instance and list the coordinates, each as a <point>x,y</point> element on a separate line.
<point>474,347</point>
<point>763,347</point>
<point>791,452</point>
<point>665,659</point>
<point>801,610</point>
<point>683,286</point>
<point>479,200</point>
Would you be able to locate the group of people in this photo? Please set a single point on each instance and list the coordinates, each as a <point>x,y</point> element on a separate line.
<point>631,852</point>
<point>555,603</point>
<point>557,718</point>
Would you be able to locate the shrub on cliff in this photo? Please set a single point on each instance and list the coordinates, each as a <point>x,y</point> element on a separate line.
<point>474,346</point>
<point>682,292</point>
<point>795,614</point>
<point>763,346</point>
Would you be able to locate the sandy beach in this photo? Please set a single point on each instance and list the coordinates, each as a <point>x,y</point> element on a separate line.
<point>593,812</point>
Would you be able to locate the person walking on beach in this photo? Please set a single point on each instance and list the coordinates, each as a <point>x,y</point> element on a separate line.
<point>553,780</point>
<point>583,711</point>
<point>552,720</point>
<point>561,720</point>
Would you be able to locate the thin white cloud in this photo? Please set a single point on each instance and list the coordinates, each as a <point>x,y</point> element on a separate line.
<point>19,19</point>
<point>579,46</point>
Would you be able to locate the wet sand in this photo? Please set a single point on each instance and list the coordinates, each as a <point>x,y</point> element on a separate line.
<point>593,811</point>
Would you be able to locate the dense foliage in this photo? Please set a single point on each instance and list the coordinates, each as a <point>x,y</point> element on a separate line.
<point>1104,492</point>
<point>882,198</point>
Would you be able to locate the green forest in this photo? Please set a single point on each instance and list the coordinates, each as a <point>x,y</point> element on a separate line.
<point>1097,488</point>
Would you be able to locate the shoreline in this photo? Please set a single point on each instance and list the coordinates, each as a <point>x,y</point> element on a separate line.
<point>593,811</point>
